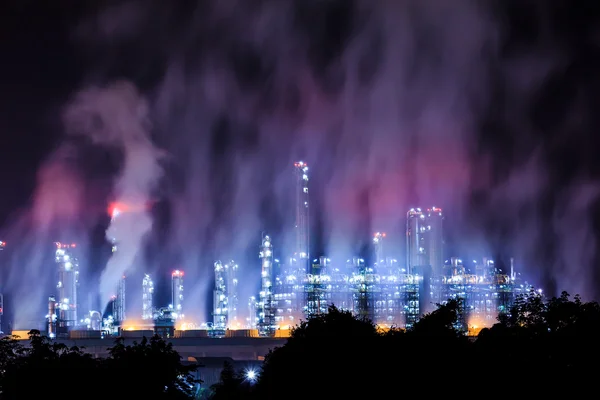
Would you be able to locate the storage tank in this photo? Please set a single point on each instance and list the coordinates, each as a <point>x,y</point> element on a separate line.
<point>283,333</point>
<point>231,333</point>
<point>21,334</point>
<point>95,321</point>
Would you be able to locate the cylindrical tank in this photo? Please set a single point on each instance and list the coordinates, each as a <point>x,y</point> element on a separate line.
<point>95,321</point>
<point>283,333</point>
<point>230,333</point>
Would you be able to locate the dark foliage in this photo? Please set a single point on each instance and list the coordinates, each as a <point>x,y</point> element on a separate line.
<point>538,348</point>
<point>233,385</point>
<point>558,339</point>
<point>159,373</point>
<point>45,369</point>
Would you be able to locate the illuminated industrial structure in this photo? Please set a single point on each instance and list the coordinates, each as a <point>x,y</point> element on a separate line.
<point>385,292</point>
<point>68,285</point>
<point>147,295</point>
<point>266,315</point>
<point>252,320</point>
<point>118,303</point>
<point>51,317</point>
<point>231,271</point>
<point>389,294</point>
<point>301,251</point>
<point>484,289</point>
<point>225,306</point>
<point>177,293</point>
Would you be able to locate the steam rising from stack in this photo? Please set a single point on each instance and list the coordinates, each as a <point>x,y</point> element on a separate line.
<point>57,203</point>
<point>117,116</point>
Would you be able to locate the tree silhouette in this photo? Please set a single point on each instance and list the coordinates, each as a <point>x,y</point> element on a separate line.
<point>343,356</point>
<point>232,385</point>
<point>33,372</point>
<point>557,337</point>
<point>441,323</point>
<point>47,369</point>
<point>150,368</point>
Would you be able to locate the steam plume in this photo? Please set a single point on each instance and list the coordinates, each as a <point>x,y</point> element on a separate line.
<point>53,216</point>
<point>117,116</point>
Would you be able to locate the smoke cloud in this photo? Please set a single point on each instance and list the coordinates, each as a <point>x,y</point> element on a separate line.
<point>393,104</point>
<point>116,116</point>
<point>53,216</point>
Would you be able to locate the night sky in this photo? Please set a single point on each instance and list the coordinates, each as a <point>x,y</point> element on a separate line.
<point>486,109</point>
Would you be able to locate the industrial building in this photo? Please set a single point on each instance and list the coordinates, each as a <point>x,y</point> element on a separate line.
<point>67,286</point>
<point>387,292</point>
<point>384,290</point>
<point>147,298</point>
<point>177,294</point>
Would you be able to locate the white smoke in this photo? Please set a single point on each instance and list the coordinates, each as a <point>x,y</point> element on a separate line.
<point>54,216</point>
<point>117,116</point>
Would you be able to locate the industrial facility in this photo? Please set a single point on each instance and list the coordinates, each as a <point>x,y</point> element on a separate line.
<point>391,293</point>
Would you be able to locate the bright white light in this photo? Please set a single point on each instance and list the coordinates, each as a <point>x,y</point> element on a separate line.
<point>251,375</point>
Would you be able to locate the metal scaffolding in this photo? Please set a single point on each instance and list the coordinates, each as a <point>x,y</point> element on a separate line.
<point>147,295</point>
<point>68,285</point>
<point>266,314</point>
<point>177,293</point>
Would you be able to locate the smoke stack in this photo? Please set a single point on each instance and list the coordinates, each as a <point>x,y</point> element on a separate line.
<point>512,268</point>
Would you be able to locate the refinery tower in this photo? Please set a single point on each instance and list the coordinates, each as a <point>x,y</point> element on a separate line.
<point>301,250</point>
<point>424,253</point>
<point>177,294</point>
<point>68,284</point>
<point>147,298</point>
<point>118,303</point>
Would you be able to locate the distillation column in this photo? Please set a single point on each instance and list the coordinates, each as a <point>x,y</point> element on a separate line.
<point>147,294</point>
<point>266,315</point>
<point>415,240</point>
<point>177,293</point>
<point>301,251</point>
<point>68,284</point>
<point>434,240</point>
<point>231,270</point>
<point>220,298</point>
<point>118,310</point>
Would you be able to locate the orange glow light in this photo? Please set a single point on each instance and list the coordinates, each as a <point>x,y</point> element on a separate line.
<point>116,208</point>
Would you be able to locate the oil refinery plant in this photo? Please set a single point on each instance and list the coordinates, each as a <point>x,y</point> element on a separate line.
<point>386,291</point>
